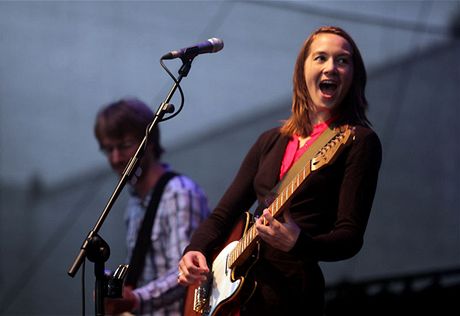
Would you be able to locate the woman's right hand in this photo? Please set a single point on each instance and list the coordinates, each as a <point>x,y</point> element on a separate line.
<point>192,268</point>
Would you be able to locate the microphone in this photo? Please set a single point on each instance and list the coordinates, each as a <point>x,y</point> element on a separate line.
<point>212,45</point>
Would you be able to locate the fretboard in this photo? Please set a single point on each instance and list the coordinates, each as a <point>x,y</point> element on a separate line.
<point>246,243</point>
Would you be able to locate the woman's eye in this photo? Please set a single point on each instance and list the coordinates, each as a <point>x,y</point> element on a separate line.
<point>320,58</point>
<point>342,60</point>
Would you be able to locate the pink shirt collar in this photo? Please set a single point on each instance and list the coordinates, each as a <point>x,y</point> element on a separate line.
<point>293,152</point>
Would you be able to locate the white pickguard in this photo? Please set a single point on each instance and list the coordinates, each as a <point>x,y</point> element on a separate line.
<point>223,287</point>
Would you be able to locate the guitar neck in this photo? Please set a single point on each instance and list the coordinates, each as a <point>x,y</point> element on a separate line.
<point>247,243</point>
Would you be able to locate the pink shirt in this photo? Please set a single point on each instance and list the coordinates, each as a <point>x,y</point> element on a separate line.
<point>293,152</point>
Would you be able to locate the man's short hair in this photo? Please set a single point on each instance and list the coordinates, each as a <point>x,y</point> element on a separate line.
<point>127,116</point>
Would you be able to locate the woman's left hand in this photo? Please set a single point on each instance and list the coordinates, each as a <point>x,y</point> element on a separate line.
<point>279,235</point>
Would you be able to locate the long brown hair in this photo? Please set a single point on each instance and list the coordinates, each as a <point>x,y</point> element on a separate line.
<point>353,108</point>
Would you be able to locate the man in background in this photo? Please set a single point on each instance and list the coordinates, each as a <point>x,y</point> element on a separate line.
<point>176,205</point>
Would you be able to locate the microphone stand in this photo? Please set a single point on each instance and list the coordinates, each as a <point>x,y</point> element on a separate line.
<point>94,247</point>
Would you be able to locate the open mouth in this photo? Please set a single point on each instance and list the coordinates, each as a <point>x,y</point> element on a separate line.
<point>328,87</point>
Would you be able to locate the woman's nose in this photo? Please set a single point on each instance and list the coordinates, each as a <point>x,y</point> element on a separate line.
<point>330,66</point>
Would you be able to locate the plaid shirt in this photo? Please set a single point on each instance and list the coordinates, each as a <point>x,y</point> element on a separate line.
<point>182,207</point>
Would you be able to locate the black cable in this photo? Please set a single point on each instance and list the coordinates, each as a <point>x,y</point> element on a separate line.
<point>180,91</point>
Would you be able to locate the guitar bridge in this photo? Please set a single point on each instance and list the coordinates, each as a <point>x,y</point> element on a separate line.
<point>201,300</point>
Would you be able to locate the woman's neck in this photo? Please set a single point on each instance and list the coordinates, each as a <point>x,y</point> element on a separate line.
<point>320,117</point>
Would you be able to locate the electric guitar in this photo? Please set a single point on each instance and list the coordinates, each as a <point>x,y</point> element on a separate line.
<point>229,282</point>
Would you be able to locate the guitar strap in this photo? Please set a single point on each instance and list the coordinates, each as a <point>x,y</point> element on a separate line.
<point>143,241</point>
<point>306,157</point>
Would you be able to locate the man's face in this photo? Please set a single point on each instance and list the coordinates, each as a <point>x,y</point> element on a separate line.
<point>119,150</point>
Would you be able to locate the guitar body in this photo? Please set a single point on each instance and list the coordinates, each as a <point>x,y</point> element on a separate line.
<point>221,295</point>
